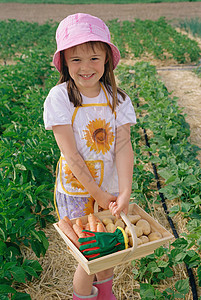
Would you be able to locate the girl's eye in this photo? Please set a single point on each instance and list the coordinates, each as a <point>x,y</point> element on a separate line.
<point>94,58</point>
<point>76,59</point>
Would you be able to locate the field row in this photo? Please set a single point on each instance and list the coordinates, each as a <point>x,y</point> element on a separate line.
<point>179,170</point>
<point>157,38</point>
<point>134,39</point>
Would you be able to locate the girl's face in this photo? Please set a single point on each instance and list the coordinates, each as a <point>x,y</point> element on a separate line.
<point>86,66</point>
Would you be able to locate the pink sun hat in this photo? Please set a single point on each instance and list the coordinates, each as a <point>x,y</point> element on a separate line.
<point>81,28</point>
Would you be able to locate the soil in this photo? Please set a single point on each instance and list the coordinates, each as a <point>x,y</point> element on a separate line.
<point>42,12</point>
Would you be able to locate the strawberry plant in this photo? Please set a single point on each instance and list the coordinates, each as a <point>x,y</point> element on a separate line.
<point>154,268</point>
<point>180,290</point>
<point>26,167</point>
<point>117,35</point>
<point>16,36</point>
<point>155,37</point>
<point>133,43</point>
<point>177,165</point>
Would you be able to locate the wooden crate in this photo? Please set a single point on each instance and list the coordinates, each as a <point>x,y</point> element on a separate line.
<point>123,256</point>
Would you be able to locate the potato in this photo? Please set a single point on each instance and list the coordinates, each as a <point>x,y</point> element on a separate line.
<point>110,227</point>
<point>87,227</point>
<point>134,218</point>
<point>119,223</point>
<point>130,241</point>
<point>138,230</point>
<point>116,219</point>
<point>144,239</point>
<point>154,236</point>
<point>144,225</point>
<point>107,221</point>
<point>139,242</point>
<point>127,231</point>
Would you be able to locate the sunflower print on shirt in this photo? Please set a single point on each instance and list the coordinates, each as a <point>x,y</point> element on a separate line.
<point>70,178</point>
<point>99,136</point>
<point>89,206</point>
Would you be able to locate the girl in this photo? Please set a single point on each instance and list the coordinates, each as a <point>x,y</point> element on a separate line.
<point>90,118</point>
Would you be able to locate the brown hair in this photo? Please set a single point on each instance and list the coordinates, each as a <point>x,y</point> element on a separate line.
<point>107,79</point>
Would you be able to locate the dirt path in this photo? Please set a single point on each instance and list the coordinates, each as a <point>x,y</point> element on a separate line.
<point>186,86</point>
<point>42,12</point>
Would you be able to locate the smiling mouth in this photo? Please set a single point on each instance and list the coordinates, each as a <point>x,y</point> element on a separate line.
<point>87,76</point>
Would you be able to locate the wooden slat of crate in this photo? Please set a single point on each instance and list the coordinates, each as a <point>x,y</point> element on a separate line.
<point>123,256</point>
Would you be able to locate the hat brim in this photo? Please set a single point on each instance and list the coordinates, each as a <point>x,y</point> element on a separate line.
<point>115,51</point>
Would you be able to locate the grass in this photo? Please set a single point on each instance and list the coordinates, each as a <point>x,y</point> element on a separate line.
<point>192,25</point>
<point>94,1</point>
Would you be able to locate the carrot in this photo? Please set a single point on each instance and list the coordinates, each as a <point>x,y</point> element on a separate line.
<point>87,227</point>
<point>92,222</point>
<point>100,227</point>
<point>69,232</point>
<point>79,223</point>
<point>78,231</point>
<point>68,221</point>
<point>97,219</point>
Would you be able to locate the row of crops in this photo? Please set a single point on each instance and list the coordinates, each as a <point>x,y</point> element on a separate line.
<point>28,156</point>
<point>156,38</point>
<point>180,171</point>
<point>134,39</point>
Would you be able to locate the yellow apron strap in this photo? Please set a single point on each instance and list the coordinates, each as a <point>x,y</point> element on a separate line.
<point>55,187</point>
<point>108,102</point>
<point>74,114</point>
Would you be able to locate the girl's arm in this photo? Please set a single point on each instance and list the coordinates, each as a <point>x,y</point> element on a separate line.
<point>65,139</point>
<point>124,163</point>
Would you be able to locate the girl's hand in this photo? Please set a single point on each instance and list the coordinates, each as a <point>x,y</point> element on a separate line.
<point>120,205</point>
<point>104,199</point>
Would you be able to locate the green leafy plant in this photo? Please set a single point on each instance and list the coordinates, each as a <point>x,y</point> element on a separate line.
<point>192,25</point>
<point>179,172</point>
<point>179,291</point>
<point>26,166</point>
<point>153,268</point>
<point>155,37</point>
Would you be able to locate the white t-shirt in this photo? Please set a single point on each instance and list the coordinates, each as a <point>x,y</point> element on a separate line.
<point>93,120</point>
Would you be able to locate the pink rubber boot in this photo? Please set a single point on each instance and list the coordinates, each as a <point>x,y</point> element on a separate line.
<point>93,296</point>
<point>105,289</point>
